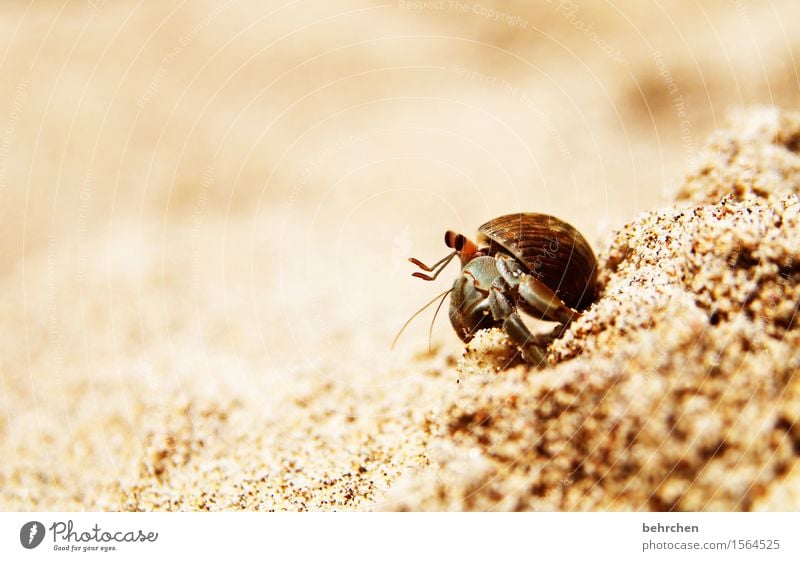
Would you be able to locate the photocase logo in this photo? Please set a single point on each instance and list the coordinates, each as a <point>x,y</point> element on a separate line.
<point>31,534</point>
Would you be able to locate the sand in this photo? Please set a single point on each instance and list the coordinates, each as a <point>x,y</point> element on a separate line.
<point>207,211</point>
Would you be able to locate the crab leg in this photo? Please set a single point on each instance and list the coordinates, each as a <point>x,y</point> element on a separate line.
<point>535,293</point>
<point>502,310</point>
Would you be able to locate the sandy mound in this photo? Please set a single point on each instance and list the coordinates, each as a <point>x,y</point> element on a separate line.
<point>684,389</point>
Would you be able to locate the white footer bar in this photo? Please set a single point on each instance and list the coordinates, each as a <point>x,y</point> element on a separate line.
<point>355,536</point>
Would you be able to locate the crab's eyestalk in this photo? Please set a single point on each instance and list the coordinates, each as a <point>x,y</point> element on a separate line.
<point>466,248</point>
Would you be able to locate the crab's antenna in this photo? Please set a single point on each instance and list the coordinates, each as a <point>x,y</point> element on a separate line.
<point>418,312</point>
<point>436,313</point>
<point>443,262</point>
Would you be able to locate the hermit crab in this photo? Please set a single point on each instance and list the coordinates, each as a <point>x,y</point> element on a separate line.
<point>526,261</point>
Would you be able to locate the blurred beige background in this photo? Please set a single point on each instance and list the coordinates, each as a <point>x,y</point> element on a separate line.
<point>208,206</point>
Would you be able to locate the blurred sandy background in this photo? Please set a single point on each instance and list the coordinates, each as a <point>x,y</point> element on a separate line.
<point>208,206</point>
